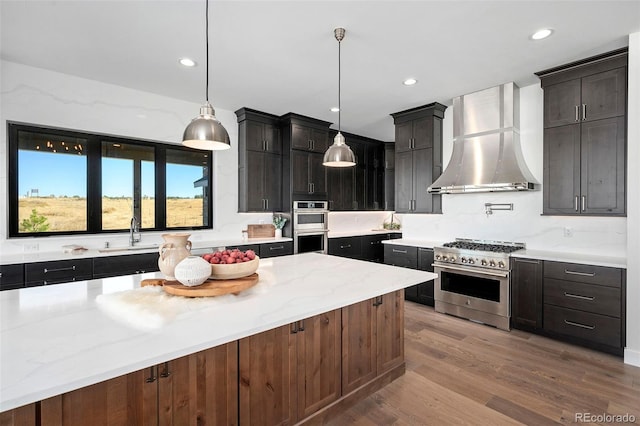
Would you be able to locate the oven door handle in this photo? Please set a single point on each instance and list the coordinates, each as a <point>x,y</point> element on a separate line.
<point>312,232</point>
<point>483,271</point>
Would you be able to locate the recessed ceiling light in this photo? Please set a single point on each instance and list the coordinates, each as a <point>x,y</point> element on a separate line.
<point>335,109</point>
<point>540,34</point>
<point>410,82</point>
<point>187,62</point>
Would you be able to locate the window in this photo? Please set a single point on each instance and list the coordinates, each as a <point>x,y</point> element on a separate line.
<point>64,182</point>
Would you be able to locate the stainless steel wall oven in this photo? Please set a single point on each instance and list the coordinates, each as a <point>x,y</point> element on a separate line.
<point>310,226</point>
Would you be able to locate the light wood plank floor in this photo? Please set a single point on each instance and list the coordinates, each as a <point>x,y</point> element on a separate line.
<point>460,372</point>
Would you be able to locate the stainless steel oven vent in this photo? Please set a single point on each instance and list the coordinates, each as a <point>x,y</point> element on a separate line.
<point>486,156</point>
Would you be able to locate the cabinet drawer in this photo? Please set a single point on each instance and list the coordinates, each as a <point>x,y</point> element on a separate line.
<point>276,249</point>
<point>583,325</point>
<point>597,299</point>
<point>372,247</point>
<point>350,247</point>
<point>405,256</point>
<point>11,276</point>
<point>583,273</point>
<point>58,271</point>
<point>113,266</point>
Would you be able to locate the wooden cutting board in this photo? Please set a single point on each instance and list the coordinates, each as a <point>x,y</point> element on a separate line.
<point>261,231</point>
<point>211,287</point>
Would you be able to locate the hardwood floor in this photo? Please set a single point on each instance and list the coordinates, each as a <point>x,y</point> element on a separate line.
<point>460,372</point>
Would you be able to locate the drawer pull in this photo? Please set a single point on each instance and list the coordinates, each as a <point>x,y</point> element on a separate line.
<point>276,248</point>
<point>577,296</point>
<point>533,262</point>
<point>582,274</point>
<point>399,251</point>
<point>71,268</point>
<point>152,375</point>
<point>577,324</point>
<point>345,246</point>
<point>166,373</point>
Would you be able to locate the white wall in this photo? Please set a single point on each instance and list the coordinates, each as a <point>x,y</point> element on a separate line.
<point>38,96</point>
<point>632,352</point>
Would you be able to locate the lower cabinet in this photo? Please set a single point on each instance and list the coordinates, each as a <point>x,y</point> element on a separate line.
<point>414,258</point>
<point>362,247</point>
<point>290,372</point>
<point>276,249</point>
<point>11,277</point>
<point>59,271</point>
<point>526,294</point>
<point>372,339</point>
<point>21,416</point>
<point>196,389</point>
<point>129,264</point>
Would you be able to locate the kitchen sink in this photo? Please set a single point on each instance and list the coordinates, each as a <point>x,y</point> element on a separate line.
<point>128,248</point>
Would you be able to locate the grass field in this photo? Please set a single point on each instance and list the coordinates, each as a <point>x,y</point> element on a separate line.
<point>68,214</point>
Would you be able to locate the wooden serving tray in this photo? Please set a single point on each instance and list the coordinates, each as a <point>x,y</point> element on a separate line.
<point>211,287</point>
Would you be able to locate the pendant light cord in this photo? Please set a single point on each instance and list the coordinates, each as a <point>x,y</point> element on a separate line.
<point>207,46</point>
<point>339,96</point>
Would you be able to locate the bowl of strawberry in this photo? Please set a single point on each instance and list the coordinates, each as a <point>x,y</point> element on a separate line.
<point>232,264</point>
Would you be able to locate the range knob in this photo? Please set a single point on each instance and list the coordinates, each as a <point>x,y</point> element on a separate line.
<point>483,262</point>
<point>471,261</point>
<point>501,264</point>
<point>453,258</point>
<point>445,258</point>
<point>438,257</point>
<point>492,263</point>
<point>463,259</point>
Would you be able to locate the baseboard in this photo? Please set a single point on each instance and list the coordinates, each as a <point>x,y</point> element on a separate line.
<point>632,357</point>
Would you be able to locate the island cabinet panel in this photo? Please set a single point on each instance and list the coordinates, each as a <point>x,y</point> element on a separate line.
<point>21,416</point>
<point>266,362</point>
<point>372,339</point>
<point>200,389</point>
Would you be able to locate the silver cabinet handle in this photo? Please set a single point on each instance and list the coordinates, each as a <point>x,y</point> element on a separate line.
<point>583,274</point>
<point>276,248</point>
<point>577,113</point>
<point>575,203</point>
<point>534,262</point>
<point>399,251</point>
<point>577,324</point>
<point>584,111</point>
<point>313,187</point>
<point>71,268</point>
<point>266,204</point>
<point>64,280</point>
<point>345,246</point>
<point>0,274</point>
<point>577,296</point>
<point>584,202</point>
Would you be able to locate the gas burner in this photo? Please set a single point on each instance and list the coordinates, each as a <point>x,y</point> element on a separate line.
<point>482,246</point>
<point>476,253</point>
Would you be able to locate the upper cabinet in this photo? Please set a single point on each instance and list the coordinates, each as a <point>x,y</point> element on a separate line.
<point>584,136</point>
<point>259,162</point>
<point>418,158</point>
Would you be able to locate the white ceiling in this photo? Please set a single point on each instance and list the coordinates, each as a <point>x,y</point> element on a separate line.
<point>281,56</point>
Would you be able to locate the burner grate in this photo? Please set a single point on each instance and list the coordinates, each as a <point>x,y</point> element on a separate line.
<point>470,245</point>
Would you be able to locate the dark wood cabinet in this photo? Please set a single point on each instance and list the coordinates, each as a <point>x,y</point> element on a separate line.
<point>372,247</point>
<point>375,177</point>
<point>307,138</point>
<point>55,272</point>
<point>526,294</point>
<point>363,247</point>
<point>398,255</point>
<point>282,248</point>
<point>340,188</point>
<point>389,176</point>
<point>424,291</point>
<point>585,137</point>
<point>195,389</point>
<point>414,258</point>
<point>21,416</point>
<point>308,175</point>
<point>11,277</point>
<point>259,161</point>
<point>418,158</point>
<point>112,266</point>
<point>372,339</point>
<point>350,247</point>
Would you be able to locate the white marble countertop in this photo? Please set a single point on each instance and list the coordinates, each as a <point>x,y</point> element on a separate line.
<point>54,339</point>
<point>587,259</point>
<point>414,243</point>
<point>361,233</point>
<point>46,256</point>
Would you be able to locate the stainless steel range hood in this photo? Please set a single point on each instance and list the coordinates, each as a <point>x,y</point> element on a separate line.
<point>486,153</point>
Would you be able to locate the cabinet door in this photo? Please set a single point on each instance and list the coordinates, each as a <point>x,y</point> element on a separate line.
<point>425,290</point>
<point>255,184</point>
<point>300,137</point>
<point>561,187</point>
<point>404,182</point>
<point>317,177</point>
<point>272,178</point>
<point>423,133</point>
<point>267,361</point>
<point>390,331</point>
<point>404,256</point>
<point>372,247</point>
<point>131,399</point>
<point>335,188</point>
<point>61,271</point>
<point>562,103</point>
<point>359,345</point>
<point>318,350</point>
<point>11,276</point>
<point>273,142</point>
<point>603,167</point>
<point>604,94</point>
<point>404,135</point>
<point>422,175</point>
<point>255,136</point>
<point>300,172</point>
<point>21,416</point>
<point>320,140</point>
<point>124,265</point>
<point>345,247</point>
<point>201,388</point>
<point>526,293</point>
<point>276,249</point>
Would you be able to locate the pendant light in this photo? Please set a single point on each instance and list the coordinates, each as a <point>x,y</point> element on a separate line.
<point>339,154</point>
<point>205,131</point>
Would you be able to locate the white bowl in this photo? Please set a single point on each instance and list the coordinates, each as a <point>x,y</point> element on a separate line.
<point>234,270</point>
<point>192,271</point>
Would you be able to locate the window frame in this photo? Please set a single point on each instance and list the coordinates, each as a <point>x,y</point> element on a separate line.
<point>94,179</point>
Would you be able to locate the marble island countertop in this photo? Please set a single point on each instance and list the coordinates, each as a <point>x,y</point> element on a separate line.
<point>54,339</point>
<point>139,248</point>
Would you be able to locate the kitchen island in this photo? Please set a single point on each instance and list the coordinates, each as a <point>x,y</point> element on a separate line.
<point>57,339</point>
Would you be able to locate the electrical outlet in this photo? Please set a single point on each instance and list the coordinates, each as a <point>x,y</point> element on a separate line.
<point>568,232</point>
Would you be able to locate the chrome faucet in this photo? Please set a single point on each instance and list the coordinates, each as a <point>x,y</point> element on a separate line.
<point>134,231</point>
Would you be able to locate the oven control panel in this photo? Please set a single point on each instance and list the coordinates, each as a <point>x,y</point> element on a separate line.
<point>477,259</point>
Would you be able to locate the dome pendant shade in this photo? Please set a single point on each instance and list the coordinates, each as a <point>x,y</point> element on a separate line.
<point>339,154</point>
<point>206,132</point>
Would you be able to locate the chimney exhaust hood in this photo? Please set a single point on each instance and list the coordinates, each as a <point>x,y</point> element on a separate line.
<point>486,153</point>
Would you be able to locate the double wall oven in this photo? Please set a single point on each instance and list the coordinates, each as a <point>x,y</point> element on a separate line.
<point>310,226</point>
<point>474,280</point>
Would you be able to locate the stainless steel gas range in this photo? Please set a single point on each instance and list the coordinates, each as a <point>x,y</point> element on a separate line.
<point>473,280</point>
